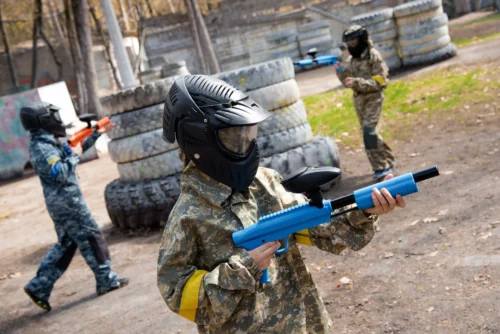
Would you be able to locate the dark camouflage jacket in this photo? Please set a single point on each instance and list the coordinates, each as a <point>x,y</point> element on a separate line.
<point>203,277</point>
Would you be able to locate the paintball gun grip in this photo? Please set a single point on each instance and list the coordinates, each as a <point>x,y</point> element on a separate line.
<point>79,136</point>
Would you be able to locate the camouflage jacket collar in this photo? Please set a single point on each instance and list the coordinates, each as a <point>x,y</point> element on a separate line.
<point>42,135</point>
<point>209,189</point>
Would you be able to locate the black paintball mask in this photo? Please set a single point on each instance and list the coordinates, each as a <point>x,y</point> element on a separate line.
<point>216,127</point>
<point>43,116</point>
<point>356,33</point>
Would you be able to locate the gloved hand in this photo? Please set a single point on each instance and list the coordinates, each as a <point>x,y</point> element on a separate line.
<point>67,149</point>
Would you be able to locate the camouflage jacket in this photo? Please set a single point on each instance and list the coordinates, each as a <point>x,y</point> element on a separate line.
<point>203,277</point>
<point>369,72</point>
<point>56,170</point>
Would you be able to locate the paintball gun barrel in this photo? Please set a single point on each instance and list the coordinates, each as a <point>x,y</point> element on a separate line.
<point>280,225</point>
<point>321,60</point>
<point>80,135</point>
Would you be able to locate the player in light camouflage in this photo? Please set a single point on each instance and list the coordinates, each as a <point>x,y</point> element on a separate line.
<point>202,276</point>
<point>55,164</point>
<point>366,73</point>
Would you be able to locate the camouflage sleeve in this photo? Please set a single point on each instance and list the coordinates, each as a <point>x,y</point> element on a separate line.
<point>50,162</point>
<point>379,76</point>
<point>353,229</point>
<point>205,297</point>
<point>90,140</point>
<point>345,73</point>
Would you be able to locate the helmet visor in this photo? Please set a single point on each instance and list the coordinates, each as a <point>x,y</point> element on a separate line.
<point>55,115</point>
<point>238,139</point>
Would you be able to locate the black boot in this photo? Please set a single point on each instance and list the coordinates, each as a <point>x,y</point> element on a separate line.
<point>122,282</point>
<point>40,302</point>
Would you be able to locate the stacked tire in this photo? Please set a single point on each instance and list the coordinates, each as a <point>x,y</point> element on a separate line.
<point>423,33</point>
<point>149,167</point>
<point>317,35</point>
<point>285,139</point>
<point>383,33</point>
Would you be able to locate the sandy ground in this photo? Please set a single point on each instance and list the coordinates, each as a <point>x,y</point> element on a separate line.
<point>433,268</point>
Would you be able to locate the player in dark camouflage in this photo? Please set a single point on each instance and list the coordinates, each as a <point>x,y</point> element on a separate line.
<point>55,163</point>
<point>367,75</point>
<point>202,276</point>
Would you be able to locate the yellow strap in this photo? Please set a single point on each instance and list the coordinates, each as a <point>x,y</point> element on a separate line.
<point>190,292</point>
<point>380,79</point>
<point>303,238</point>
<point>52,160</point>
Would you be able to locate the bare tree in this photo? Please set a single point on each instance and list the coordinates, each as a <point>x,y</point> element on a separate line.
<point>34,57</point>
<point>208,50</point>
<point>106,47</point>
<point>47,42</point>
<point>5,39</point>
<point>58,29</point>
<point>82,23</point>
<point>123,10</point>
<point>196,35</point>
<point>76,56</point>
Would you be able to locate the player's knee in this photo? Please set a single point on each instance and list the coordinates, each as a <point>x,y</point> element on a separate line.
<point>370,137</point>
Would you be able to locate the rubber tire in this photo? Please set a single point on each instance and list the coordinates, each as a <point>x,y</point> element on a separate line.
<point>393,63</point>
<point>447,52</point>
<point>381,27</point>
<point>432,23</point>
<point>154,167</point>
<point>138,147</point>
<point>141,205</point>
<point>423,36</point>
<point>260,75</point>
<point>415,19</point>
<point>416,7</point>
<point>372,17</point>
<point>136,121</point>
<point>285,140</point>
<point>276,96</point>
<point>284,119</point>
<point>418,49</point>
<point>383,36</point>
<point>137,98</point>
<point>322,151</point>
<point>389,52</point>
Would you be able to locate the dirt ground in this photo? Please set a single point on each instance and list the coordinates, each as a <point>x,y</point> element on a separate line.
<point>432,268</point>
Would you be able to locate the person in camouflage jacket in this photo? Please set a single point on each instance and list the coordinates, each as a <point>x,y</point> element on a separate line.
<point>202,276</point>
<point>366,74</point>
<point>55,164</point>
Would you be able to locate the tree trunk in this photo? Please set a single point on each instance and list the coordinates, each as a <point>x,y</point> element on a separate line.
<point>123,10</point>
<point>196,36</point>
<point>171,6</point>
<point>208,50</point>
<point>150,9</point>
<point>5,39</point>
<point>49,45</point>
<point>462,7</point>
<point>34,57</point>
<point>82,24</point>
<point>106,47</point>
<point>58,29</point>
<point>76,56</point>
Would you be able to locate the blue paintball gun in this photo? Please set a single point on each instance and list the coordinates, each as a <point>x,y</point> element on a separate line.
<point>320,60</point>
<point>280,225</point>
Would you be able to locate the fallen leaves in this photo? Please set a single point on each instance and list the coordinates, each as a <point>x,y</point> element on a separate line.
<point>388,255</point>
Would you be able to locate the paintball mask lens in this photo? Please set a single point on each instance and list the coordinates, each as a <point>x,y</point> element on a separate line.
<point>238,139</point>
<point>54,113</point>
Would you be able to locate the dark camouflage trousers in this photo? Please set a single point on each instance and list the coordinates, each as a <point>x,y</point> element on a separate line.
<point>369,110</point>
